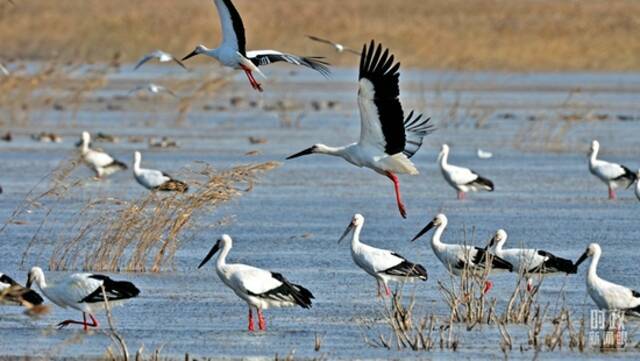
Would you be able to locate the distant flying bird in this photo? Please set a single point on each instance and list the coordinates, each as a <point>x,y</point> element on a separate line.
<point>156,180</point>
<point>461,179</point>
<point>232,51</point>
<point>458,257</point>
<point>608,295</point>
<point>612,174</point>
<point>84,292</point>
<point>4,70</point>
<point>162,57</point>
<point>153,89</point>
<point>387,138</point>
<point>259,288</point>
<point>11,292</point>
<point>338,47</point>
<point>100,162</point>
<point>381,264</point>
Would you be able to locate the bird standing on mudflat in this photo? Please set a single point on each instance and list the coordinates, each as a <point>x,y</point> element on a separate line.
<point>461,179</point>
<point>100,162</point>
<point>156,180</point>
<point>612,174</point>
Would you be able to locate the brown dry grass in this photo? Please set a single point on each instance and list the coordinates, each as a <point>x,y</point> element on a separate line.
<point>459,34</point>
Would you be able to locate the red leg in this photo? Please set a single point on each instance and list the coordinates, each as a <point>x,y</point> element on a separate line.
<point>84,323</point>
<point>487,287</point>
<point>379,294</point>
<point>460,195</point>
<point>94,322</point>
<point>250,320</point>
<point>396,185</point>
<point>84,319</point>
<point>254,83</point>
<point>387,290</point>
<point>612,193</point>
<point>261,323</point>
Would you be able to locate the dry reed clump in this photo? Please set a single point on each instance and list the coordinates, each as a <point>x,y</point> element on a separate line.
<point>143,235</point>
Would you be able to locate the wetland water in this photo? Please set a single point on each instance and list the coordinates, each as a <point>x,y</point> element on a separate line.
<point>291,220</point>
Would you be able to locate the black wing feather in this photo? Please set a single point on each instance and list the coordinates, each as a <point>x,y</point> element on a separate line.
<point>406,269</point>
<point>497,262</point>
<point>482,182</point>
<point>238,27</point>
<point>301,296</point>
<point>554,264</point>
<point>115,290</point>
<point>628,175</point>
<point>313,62</point>
<point>415,131</point>
<point>377,67</point>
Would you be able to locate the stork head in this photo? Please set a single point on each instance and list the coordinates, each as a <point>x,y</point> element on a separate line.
<point>443,151</point>
<point>498,239</point>
<point>592,250</point>
<point>437,221</point>
<point>86,138</point>
<point>200,49</point>
<point>222,242</point>
<point>137,158</point>
<point>316,148</point>
<point>356,221</point>
<point>595,147</point>
<point>36,276</point>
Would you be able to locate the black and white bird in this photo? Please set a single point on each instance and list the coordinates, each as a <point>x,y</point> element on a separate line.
<point>84,292</point>
<point>259,288</point>
<point>156,180</point>
<point>461,179</point>
<point>387,138</point>
<point>529,261</point>
<point>338,47</point>
<point>162,57</point>
<point>612,174</point>
<point>232,51</point>
<point>12,293</point>
<point>100,162</point>
<point>381,264</point>
<point>457,257</point>
<point>637,185</point>
<point>154,89</point>
<point>607,295</point>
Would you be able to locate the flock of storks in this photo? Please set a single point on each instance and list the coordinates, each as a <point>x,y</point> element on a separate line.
<point>387,142</point>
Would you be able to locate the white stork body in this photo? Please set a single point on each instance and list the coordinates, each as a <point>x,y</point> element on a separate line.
<point>161,56</point>
<point>387,138</point>
<point>456,257</point>
<point>100,162</point>
<point>607,295</point>
<point>612,174</point>
<point>381,264</point>
<point>12,293</point>
<point>463,180</point>
<point>259,288</point>
<point>156,180</point>
<point>232,51</point>
<point>338,47</point>
<point>83,292</point>
<point>529,260</point>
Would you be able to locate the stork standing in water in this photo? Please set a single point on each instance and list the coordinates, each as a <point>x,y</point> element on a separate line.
<point>259,288</point>
<point>456,257</point>
<point>100,162</point>
<point>156,180</point>
<point>11,292</point>
<point>232,52</point>
<point>84,292</point>
<point>387,138</point>
<point>461,179</point>
<point>612,174</point>
<point>529,261</point>
<point>381,264</point>
<point>607,295</point>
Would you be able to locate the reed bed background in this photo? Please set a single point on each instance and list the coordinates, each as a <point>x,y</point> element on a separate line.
<point>459,34</point>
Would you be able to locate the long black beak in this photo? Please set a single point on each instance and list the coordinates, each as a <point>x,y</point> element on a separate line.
<point>346,232</point>
<point>28,285</point>
<point>213,251</point>
<point>300,154</point>
<point>190,55</point>
<point>424,230</point>
<point>492,241</point>
<point>584,256</point>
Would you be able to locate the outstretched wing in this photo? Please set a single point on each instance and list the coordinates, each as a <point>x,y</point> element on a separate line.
<point>381,113</point>
<point>415,131</point>
<point>232,27</point>
<point>266,57</point>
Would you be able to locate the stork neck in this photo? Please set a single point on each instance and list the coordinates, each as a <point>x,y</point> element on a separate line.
<point>355,240</point>
<point>593,267</point>
<point>444,159</point>
<point>222,258</point>
<point>594,156</point>
<point>435,239</point>
<point>498,246</point>
<point>334,151</point>
<point>85,147</point>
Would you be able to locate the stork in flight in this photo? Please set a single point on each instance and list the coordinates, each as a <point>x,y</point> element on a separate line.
<point>387,138</point>
<point>232,51</point>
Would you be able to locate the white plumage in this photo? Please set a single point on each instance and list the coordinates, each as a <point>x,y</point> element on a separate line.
<point>612,174</point>
<point>232,51</point>
<point>259,288</point>
<point>381,264</point>
<point>100,162</point>
<point>457,257</point>
<point>461,179</point>
<point>154,179</point>
<point>161,56</point>
<point>83,292</point>
<point>638,185</point>
<point>154,89</point>
<point>337,46</point>
<point>387,138</point>
<point>607,295</point>
<point>483,154</point>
